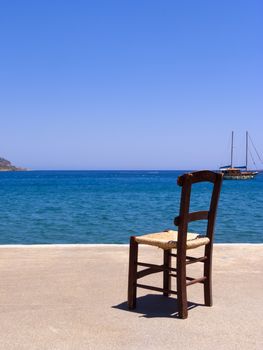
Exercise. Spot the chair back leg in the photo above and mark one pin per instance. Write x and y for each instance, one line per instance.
(133, 258)
(181, 288)
(208, 274)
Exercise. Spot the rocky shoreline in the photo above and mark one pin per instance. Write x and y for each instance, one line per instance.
(6, 165)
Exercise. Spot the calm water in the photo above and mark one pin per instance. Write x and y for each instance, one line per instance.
(109, 206)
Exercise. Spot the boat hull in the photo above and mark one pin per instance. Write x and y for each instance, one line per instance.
(241, 176)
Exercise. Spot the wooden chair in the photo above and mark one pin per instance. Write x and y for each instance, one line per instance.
(181, 241)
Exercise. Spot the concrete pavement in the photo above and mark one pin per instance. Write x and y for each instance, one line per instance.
(66, 297)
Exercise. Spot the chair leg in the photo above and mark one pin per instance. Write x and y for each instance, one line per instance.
(208, 283)
(167, 259)
(181, 288)
(132, 273)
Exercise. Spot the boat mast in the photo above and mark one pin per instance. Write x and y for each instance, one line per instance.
(246, 149)
(232, 146)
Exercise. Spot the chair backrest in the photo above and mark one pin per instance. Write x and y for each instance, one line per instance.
(186, 181)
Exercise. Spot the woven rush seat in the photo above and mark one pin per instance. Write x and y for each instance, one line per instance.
(168, 240)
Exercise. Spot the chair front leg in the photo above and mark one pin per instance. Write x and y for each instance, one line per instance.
(167, 259)
(208, 274)
(133, 258)
(181, 287)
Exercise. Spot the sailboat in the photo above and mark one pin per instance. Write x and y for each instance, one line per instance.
(231, 172)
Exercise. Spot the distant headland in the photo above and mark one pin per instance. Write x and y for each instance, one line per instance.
(6, 165)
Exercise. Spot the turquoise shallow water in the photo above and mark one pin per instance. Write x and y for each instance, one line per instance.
(109, 206)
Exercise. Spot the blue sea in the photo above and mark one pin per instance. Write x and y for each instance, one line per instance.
(40, 207)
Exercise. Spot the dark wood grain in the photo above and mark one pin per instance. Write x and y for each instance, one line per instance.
(133, 257)
(167, 260)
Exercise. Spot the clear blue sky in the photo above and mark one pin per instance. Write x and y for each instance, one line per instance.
(129, 84)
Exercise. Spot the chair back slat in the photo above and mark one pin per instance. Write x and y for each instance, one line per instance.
(198, 215)
(194, 216)
(199, 176)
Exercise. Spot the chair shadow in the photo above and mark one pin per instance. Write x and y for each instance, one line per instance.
(152, 305)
